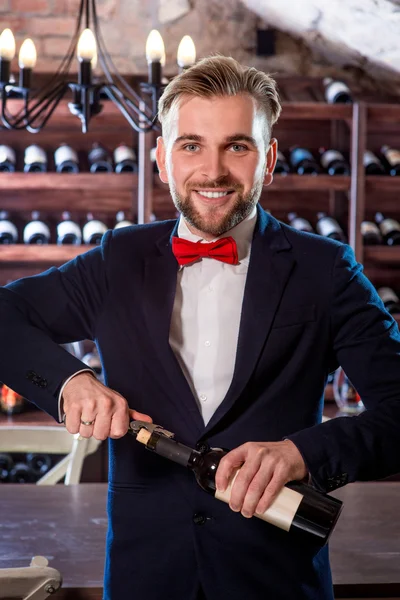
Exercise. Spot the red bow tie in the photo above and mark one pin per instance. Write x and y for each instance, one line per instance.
(186, 252)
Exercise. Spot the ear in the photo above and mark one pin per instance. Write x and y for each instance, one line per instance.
(271, 161)
(160, 159)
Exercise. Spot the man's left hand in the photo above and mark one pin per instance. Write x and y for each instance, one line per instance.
(265, 468)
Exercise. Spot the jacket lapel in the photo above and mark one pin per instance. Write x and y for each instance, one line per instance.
(158, 299)
(269, 270)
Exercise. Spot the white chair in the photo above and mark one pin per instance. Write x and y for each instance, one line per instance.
(49, 439)
(36, 582)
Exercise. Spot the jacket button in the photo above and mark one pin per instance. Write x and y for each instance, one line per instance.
(199, 519)
(202, 447)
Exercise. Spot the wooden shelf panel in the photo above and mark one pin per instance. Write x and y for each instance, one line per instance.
(383, 113)
(67, 181)
(382, 184)
(48, 253)
(315, 111)
(389, 255)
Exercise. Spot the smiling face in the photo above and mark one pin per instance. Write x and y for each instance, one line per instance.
(216, 159)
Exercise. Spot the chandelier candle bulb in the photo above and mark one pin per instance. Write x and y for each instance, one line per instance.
(7, 53)
(155, 51)
(86, 52)
(186, 56)
(26, 60)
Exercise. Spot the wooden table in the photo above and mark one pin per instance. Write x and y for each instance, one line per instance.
(67, 524)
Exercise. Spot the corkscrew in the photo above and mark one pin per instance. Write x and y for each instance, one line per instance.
(136, 426)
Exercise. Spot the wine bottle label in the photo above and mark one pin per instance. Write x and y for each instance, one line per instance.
(64, 154)
(300, 154)
(68, 228)
(388, 225)
(35, 154)
(123, 224)
(369, 227)
(8, 227)
(327, 225)
(153, 154)
(34, 228)
(301, 224)
(329, 156)
(392, 156)
(335, 88)
(370, 157)
(281, 512)
(98, 154)
(387, 295)
(92, 228)
(124, 153)
(7, 154)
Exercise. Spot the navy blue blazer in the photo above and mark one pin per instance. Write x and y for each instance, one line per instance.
(307, 308)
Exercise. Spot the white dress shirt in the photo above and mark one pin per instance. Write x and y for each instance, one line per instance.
(206, 317)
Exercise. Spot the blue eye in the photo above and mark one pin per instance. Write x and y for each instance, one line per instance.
(240, 146)
(190, 147)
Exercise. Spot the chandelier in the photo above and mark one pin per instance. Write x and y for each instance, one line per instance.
(87, 44)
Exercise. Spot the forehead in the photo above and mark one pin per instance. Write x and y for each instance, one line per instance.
(217, 116)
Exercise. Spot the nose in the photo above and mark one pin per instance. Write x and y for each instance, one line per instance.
(214, 167)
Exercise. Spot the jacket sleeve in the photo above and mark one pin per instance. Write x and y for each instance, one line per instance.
(365, 341)
(38, 313)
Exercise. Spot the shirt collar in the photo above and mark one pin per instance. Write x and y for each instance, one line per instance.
(242, 234)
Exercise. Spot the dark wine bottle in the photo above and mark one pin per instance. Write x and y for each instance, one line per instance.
(21, 473)
(66, 159)
(100, 160)
(8, 231)
(372, 164)
(7, 159)
(390, 299)
(38, 463)
(281, 167)
(93, 230)
(303, 162)
(6, 464)
(121, 221)
(153, 159)
(298, 506)
(36, 231)
(125, 159)
(337, 92)
(329, 227)
(35, 159)
(390, 229)
(299, 223)
(392, 158)
(334, 162)
(370, 233)
(68, 232)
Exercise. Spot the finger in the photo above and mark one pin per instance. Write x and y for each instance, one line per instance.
(227, 465)
(86, 431)
(138, 416)
(102, 426)
(256, 491)
(119, 423)
(242, 483)
(72, 420)
(271, 492)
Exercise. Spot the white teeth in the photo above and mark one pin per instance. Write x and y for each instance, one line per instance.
(212, 194)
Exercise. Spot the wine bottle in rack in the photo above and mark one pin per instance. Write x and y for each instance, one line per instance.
(36, 231)
(329, 227)
(11, 403)
(93, 230)
(337, 92)
(66, 159)
(7, 159)
(299, 223)
(389, 228)
(35, 159)
(125, 159)
(21, 473)
(297, 506)
(390, 299)
(121, 220)
(153, 159)
(392, 158)
(38, 463)
(370, 233)
(372, 164)
(100, 160)
(281, 167)
(8, 231)
(303, 162)
(68, 232)
(6, 464)
(333, 162)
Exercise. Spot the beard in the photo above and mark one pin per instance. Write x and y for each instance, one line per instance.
(213, 223)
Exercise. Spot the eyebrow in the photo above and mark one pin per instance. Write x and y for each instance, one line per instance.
(236, 137)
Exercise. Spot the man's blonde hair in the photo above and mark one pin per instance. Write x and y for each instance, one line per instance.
(221, 76)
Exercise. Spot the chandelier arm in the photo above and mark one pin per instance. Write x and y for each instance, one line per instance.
(32, 129)
(32, 113)
(111, 94)
(126, 102)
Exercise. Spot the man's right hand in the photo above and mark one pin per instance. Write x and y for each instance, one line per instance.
(87, 399)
